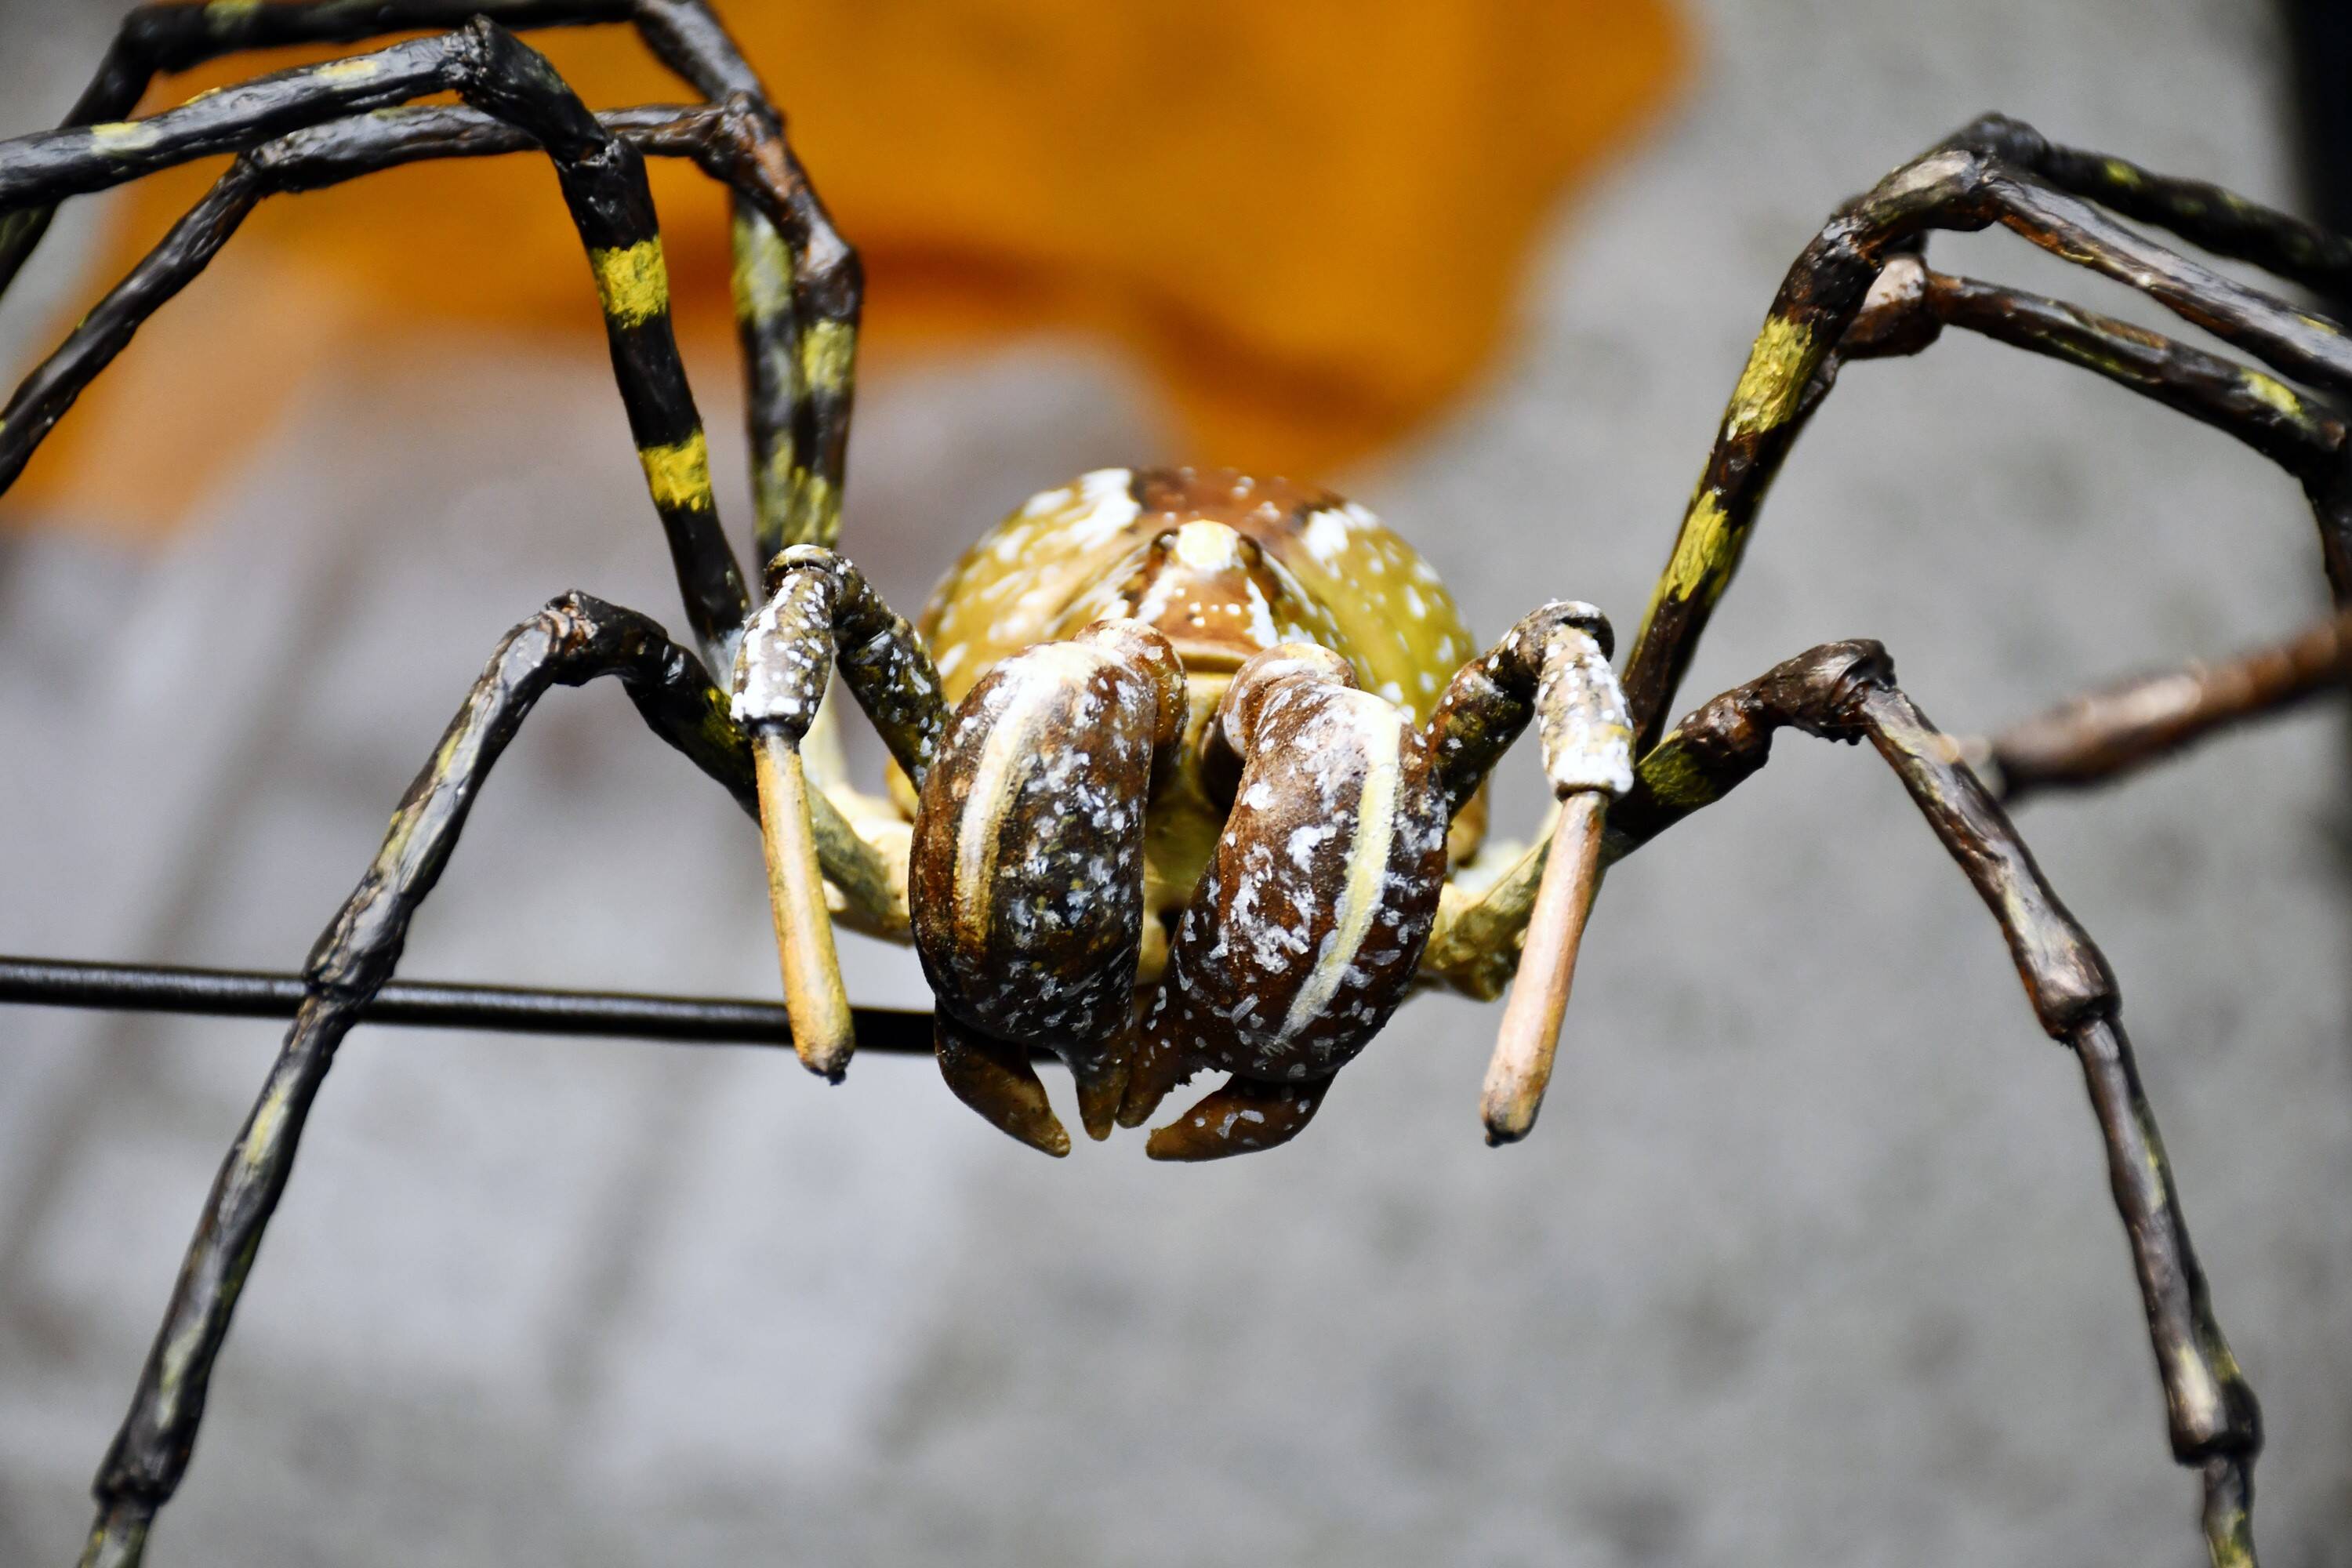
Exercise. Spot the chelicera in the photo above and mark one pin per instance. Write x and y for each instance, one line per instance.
(1188, 763)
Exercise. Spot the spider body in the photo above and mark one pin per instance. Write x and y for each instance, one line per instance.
(1297, 887)
(1211, 742)
(1226, 566)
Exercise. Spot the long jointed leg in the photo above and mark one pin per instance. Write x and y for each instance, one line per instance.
(153, 39)
(2208, 217)
(2124, 727)
(307, 160)
(1553, 669)
(821, 613)
(602, 180)
(42, 399)
(1309, 922)
(798, 285)
(47, 166)
(731, 141)
(1845, 691)
(1025, 880)
(1911, 303)
(576, 639)
(1964, 185)
(604, 183)
(798, 290)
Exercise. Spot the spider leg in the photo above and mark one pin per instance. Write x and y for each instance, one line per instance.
(1911, 304)
(2207, 216)
(2126, 726)
(573, 640)
(797, 284)
(823, 613)
(154, 39)
(1960, 185)
(1846, 691)
(717, 137)
(604, 185)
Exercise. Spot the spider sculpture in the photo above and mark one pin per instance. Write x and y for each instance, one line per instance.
(1187, 764)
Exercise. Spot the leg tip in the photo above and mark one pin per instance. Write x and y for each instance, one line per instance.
(829, 1061)
(1508, 1119)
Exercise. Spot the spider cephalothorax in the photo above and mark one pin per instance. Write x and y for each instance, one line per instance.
(1189, 764)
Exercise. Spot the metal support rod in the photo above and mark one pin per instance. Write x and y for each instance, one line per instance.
(418, 1003)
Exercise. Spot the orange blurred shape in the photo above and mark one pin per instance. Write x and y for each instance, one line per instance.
(1308, 219)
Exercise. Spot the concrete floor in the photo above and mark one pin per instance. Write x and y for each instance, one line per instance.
(1811, 1259)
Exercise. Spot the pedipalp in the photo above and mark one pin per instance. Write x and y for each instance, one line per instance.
(1026, 878)
(1308, 924)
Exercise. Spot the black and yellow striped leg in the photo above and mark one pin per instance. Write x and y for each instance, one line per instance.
(304, 159)
(1794, 361)
(797, 300)
(761, 285)
(573, 640)
(1912, 304)
(822, 615)
(826, 307)
(604, 184)
(1846, 691)
(154, 39)
(799, 289)
(797, 358)
(313, 159)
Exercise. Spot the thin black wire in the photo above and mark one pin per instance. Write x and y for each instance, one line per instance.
(419, 1004)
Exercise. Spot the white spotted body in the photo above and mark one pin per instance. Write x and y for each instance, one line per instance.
(1304, 933)
(1224, 565)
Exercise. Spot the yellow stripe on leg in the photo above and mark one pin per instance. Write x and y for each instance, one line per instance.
(633, 281)
(828, 350)
(1774, 379)
(678, 475)
(1704, 553)
(762, 279)
(812, 508)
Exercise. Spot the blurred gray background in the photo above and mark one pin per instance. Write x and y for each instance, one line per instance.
(1811, 1260)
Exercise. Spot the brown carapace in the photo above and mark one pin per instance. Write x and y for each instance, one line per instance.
(1182, 759)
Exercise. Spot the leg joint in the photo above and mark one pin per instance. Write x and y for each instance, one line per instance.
(1822, 691)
